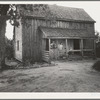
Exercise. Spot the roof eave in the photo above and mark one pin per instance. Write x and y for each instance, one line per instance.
(50, 37)
(59, 19)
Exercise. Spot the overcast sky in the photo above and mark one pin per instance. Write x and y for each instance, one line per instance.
(91, 7)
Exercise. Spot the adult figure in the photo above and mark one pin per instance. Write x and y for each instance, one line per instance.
(60, 48)
(52, 49)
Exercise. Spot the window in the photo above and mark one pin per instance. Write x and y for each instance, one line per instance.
(18, 45)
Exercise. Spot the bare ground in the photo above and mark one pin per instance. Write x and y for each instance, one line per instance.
(69, 76)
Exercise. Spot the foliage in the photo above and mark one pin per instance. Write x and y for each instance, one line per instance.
(24, 10)
(36, 10)
(3, 9)
(14, 15)
(97, 33)
(96, 66)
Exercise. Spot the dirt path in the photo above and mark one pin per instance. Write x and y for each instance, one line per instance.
(67, 76)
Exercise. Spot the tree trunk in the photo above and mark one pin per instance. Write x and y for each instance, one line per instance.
(2, 41)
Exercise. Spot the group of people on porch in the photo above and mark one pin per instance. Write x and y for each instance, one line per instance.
(56, 49)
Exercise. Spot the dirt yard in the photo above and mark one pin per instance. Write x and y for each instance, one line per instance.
(69, 76)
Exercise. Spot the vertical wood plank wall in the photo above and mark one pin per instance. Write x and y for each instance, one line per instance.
(32, 40)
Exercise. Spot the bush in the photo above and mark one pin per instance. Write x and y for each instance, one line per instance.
(96, 66)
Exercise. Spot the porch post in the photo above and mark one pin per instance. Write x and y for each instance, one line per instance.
(49, 44)
(49, 52)
(81, 47)
(57, 50)
(66, 47)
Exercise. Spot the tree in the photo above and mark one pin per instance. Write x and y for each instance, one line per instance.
(97, 35)
(3, 18)
(6, 12)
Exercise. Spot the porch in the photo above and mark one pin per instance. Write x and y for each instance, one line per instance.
(71, 47)
(67, 43)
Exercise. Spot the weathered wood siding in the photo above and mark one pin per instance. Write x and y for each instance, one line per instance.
(18, 37)
(88, 44)
(32, 48)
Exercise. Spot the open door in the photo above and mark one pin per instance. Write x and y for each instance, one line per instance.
(76, 43)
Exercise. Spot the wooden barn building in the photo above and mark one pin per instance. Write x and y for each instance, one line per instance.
(49, 32)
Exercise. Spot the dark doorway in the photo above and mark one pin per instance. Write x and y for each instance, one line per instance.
(47, 44)
(76, 44)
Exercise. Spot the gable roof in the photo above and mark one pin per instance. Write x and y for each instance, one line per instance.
(70, 13)
(61, 13)
(65, 33)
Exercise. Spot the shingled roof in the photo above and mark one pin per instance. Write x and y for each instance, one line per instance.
(69, 13)
(65, 33)
(61, 13)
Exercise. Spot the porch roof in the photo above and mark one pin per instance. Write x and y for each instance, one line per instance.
(65, 33)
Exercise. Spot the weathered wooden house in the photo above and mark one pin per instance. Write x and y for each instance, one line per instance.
(41, 25)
